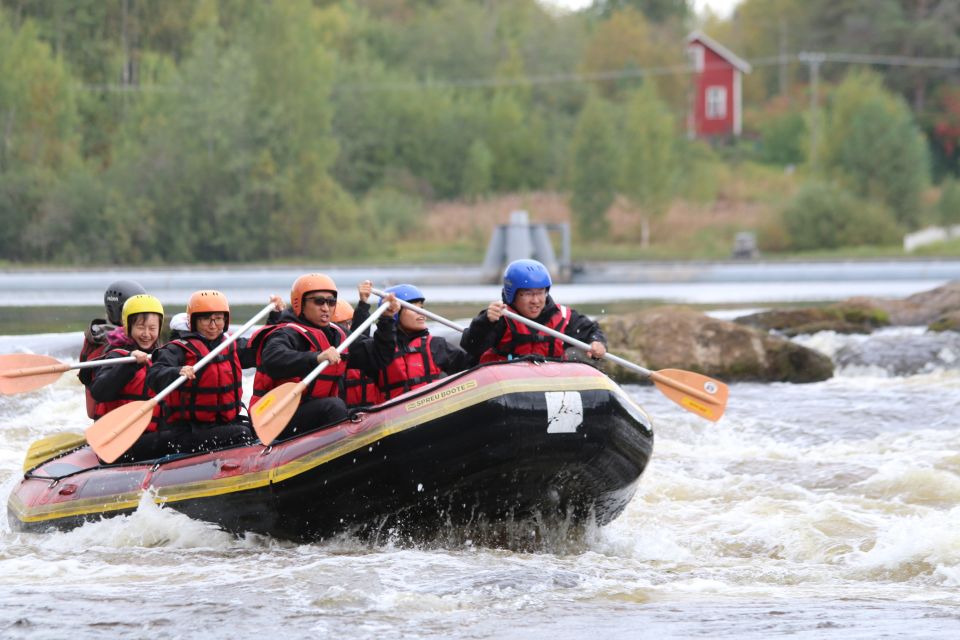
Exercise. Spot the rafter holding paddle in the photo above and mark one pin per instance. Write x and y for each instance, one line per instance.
(22, 372)
(695, 392)
(114, 433)
(272, 413)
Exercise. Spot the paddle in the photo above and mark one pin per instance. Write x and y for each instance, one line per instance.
(22, 372)
(114, 433)
(694, 392)
(683, 387)
(272, 413)
(421, 310)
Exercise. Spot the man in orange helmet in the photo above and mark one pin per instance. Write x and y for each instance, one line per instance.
(204, 413)
(305, 337)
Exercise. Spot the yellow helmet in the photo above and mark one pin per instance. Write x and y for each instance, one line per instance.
(140, 303)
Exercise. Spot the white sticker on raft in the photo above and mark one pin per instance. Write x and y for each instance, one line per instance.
(564, 411)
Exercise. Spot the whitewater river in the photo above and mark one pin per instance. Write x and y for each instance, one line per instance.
(829, 510)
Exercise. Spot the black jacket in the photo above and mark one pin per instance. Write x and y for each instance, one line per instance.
(108, 382)
(287, 353)
(169, 359)
(447, 357)
(483, 334)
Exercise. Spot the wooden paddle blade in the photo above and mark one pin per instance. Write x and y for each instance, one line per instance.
(272, 413)
(22, 372)
(50, 447)
(694, 392)
(114, 433)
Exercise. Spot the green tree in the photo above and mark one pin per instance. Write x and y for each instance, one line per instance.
(874, 148)
(948, 207)
(516, 139)
(38, 136)
(477, 175)
(594, 168)
(650, 163)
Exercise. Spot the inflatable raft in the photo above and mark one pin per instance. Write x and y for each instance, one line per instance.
(505, 442)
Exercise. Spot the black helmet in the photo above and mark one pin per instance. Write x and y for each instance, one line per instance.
(115, 295)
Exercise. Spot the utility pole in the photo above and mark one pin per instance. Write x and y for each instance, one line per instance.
(814, 60)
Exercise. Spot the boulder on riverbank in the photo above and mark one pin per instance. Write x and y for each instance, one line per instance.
(938, 308)
(681, 338)
(851, 316)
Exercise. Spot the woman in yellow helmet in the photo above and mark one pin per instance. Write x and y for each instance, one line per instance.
(114, 386)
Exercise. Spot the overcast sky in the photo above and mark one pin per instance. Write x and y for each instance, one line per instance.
(722, 8)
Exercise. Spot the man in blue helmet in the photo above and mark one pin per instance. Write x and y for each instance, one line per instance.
(492, 337)
(420, 358)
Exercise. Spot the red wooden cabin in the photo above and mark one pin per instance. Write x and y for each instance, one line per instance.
(717, 97)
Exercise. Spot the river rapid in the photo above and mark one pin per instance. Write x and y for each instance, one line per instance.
(827, 510)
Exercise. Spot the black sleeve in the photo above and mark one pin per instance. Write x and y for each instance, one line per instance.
(287, 354)
(449, 358)
(584, 329)
(370, 355)
(110, 380)
(360, 313)
(482, 335)
(167, 362)
(247, 356)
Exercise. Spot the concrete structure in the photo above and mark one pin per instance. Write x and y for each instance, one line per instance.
(520, 239)
(716, 108)
(929, 235)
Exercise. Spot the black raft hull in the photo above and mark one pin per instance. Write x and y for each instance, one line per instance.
(507, 443)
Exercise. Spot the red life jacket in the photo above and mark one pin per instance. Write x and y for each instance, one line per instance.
(360, 390)
(215, 394)
(412, 366)
(520, 340)
(90, 351)
(135, 389)
(327, 384)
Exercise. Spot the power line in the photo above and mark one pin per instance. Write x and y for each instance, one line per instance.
(585, 77)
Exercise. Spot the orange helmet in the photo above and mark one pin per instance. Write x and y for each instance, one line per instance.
(307, 283)
(343, 312)
(207, 301)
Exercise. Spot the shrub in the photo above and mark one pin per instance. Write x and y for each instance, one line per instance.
(824, 216)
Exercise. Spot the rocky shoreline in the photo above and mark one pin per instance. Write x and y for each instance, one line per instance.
(757, 347)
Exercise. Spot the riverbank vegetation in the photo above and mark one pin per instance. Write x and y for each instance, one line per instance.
(181, 131)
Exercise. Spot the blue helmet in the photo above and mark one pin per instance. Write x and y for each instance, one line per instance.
(524, 274)
(405, 292)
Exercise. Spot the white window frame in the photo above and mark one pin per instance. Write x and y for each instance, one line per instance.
(696, 57)
(715, 103)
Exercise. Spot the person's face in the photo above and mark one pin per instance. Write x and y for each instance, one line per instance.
(211, 325)
(530, 302)
(318, 307)
(145, 329)
(411, 321)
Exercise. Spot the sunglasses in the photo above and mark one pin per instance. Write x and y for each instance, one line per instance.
(330, 302)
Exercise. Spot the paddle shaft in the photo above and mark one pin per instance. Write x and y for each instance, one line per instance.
(422, 311)
(59, 368)
(654, 375)
(170, 388)
(310, 377)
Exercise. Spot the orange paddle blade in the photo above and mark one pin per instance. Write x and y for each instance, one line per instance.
(114, 433)
(22, 372)
(272, 413)
(694, 392)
